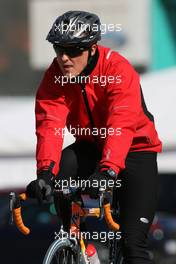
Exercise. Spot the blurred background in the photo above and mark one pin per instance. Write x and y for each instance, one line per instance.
(147, 38)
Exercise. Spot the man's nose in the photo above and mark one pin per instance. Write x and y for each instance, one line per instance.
(64, 57)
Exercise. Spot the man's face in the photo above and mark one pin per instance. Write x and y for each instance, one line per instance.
(72, 66)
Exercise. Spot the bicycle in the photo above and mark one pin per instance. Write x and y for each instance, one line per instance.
(70, 247)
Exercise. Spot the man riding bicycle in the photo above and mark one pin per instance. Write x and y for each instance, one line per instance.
(73, 94)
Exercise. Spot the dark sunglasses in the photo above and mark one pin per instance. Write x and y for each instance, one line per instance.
(70, 51)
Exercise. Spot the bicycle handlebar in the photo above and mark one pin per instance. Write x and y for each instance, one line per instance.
(16, 212)
(108, 217)
(17, 216)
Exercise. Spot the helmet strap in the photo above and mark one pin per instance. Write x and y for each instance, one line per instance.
(91, 62)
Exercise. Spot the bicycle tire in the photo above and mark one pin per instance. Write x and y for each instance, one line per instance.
(55, 250)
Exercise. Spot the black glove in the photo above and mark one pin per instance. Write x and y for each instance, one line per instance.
(42, 188)
(101, 181)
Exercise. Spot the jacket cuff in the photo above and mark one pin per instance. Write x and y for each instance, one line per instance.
(110, 165)
(43, 164)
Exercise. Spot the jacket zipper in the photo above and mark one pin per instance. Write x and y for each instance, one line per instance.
(83, 90)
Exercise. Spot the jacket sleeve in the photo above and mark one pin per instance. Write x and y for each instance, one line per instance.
(51, 113)
(123, 107)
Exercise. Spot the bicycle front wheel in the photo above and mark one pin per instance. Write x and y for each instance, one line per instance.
(61, 252)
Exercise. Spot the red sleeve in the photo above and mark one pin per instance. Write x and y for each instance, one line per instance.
(51, 113)
(123, 106)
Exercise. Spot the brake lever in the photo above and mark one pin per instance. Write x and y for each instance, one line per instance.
(14, 202)
(11, 206)
(101, 201)
(105, 198)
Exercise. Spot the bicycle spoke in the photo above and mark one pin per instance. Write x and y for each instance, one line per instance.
(65, 257)
(72, 262)
(56, 258)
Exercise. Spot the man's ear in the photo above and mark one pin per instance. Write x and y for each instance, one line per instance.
(93, 49)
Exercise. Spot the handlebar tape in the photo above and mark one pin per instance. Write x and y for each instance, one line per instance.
(18, 217)
(108, 217)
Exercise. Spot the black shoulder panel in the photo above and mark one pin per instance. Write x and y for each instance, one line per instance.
(146, 112)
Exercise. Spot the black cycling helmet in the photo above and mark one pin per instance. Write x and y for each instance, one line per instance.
(75, 28)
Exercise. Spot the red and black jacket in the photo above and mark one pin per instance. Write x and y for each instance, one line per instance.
(116, 105)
